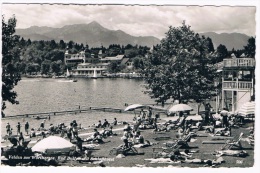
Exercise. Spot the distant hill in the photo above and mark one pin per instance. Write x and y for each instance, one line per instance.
(96, 35)
(230, 40)
(93, 33)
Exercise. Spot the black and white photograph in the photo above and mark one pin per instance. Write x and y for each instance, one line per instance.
(128, 85)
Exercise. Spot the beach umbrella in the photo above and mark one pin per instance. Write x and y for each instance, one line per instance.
(134, 106)
(194, 117)
(224, 112)
(53, 145)
(180, 107)
(247, 109)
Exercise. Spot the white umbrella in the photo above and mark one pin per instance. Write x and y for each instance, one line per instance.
(180, 107)
(134, 106)
(247, 109)
(224, 112)
(194, 117)
(53, 145)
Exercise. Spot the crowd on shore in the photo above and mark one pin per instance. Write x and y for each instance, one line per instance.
(132, 132)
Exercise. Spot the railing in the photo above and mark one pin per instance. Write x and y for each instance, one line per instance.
(238, 85)
(239, 62)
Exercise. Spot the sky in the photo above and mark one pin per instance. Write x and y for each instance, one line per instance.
(137, 20)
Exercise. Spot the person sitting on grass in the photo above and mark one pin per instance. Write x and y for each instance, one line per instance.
(32, 133)
(99, 125)
(210, 129)
(127, 127)
(124, 138)
(223, 132)
(13, 141)
(138, 138)
(51, 129)
(105, 124)
(115, 122)
(95, 137)
(218, 123)
(106, 132)
(79, 143)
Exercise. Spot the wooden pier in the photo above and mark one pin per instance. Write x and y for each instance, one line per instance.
(76, 111)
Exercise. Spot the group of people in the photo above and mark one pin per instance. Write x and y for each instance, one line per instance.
(106, 123)
(145, 120)
(130, 136)
(9, 129)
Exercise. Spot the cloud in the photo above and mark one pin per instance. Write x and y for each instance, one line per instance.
(137, 20)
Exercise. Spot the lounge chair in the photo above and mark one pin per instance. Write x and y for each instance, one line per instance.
(234, 143)
(171, 146)
(180, 143)
(124, 150)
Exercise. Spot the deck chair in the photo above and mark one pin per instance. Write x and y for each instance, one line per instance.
(179, 123)
(123, 150)
(234, 143)
(183, 142)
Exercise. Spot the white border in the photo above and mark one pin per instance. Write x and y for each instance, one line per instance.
(256, 3)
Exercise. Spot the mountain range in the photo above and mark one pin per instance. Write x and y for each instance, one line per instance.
(96, 35)
(230, 40)
(93, 34)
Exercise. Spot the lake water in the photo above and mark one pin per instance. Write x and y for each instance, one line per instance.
(46, 95)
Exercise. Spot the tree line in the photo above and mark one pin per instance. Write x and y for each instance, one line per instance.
(47, 57)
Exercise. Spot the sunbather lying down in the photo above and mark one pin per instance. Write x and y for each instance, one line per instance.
(145, 144)
(175, 155)
(208, 162)
(195, 161)
(235, 153)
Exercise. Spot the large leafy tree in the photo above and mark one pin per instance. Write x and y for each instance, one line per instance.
(250, 48)
(181, 68)
(10, 72)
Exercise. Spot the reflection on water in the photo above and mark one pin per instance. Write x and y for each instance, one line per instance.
(46, 95)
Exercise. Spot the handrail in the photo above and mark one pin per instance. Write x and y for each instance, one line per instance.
(239, 62)
(239, 84)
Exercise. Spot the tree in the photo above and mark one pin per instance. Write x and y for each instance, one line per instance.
(114, 67)
(45, 67)
(221, 53)
(180, 68)
(62, 44)
(55, 68)
(10, 73)
(211, 46)
(250, 48)
(32, 68)
(138, 62)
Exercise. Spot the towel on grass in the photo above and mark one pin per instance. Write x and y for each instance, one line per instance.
(162, 160)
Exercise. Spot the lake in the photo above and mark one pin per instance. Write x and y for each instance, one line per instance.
(46, 95)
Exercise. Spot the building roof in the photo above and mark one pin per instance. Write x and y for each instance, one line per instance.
(113, 58)
(92, 64)
(124, 60)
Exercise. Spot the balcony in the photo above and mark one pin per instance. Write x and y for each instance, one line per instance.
(239, 62)
(237, 85)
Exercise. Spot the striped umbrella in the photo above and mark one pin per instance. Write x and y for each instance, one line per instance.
(247, 109)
